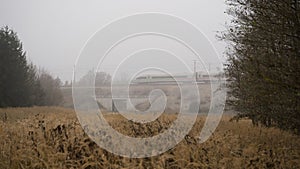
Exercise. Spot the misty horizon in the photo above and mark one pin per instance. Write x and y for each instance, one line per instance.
(53, 33)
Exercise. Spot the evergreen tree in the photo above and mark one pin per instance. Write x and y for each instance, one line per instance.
(20, 84)
(14, 86)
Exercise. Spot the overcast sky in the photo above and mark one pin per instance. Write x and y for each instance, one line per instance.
(53, 32)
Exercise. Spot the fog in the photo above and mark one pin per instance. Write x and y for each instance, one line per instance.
(54, 32)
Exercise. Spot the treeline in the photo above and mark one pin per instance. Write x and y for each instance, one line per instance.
(21, 83)
(95, 78)
(264, 61)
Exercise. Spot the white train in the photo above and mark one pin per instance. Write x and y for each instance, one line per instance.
(167, 79)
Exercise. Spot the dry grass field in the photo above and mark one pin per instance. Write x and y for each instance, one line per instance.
(50, 137)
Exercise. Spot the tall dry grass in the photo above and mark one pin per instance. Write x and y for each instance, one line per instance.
(50, 137)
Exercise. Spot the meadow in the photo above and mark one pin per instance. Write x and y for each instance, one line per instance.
(51, 137)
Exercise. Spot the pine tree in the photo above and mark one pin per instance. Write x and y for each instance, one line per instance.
(14, 86)
(20, 84)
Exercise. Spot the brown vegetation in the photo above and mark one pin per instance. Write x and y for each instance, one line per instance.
(48, 137)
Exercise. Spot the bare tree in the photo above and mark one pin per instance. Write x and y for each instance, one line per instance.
(264, 61)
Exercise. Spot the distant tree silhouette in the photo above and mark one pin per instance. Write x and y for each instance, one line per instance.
(51, 89)
(37, 95)
(97, 79)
